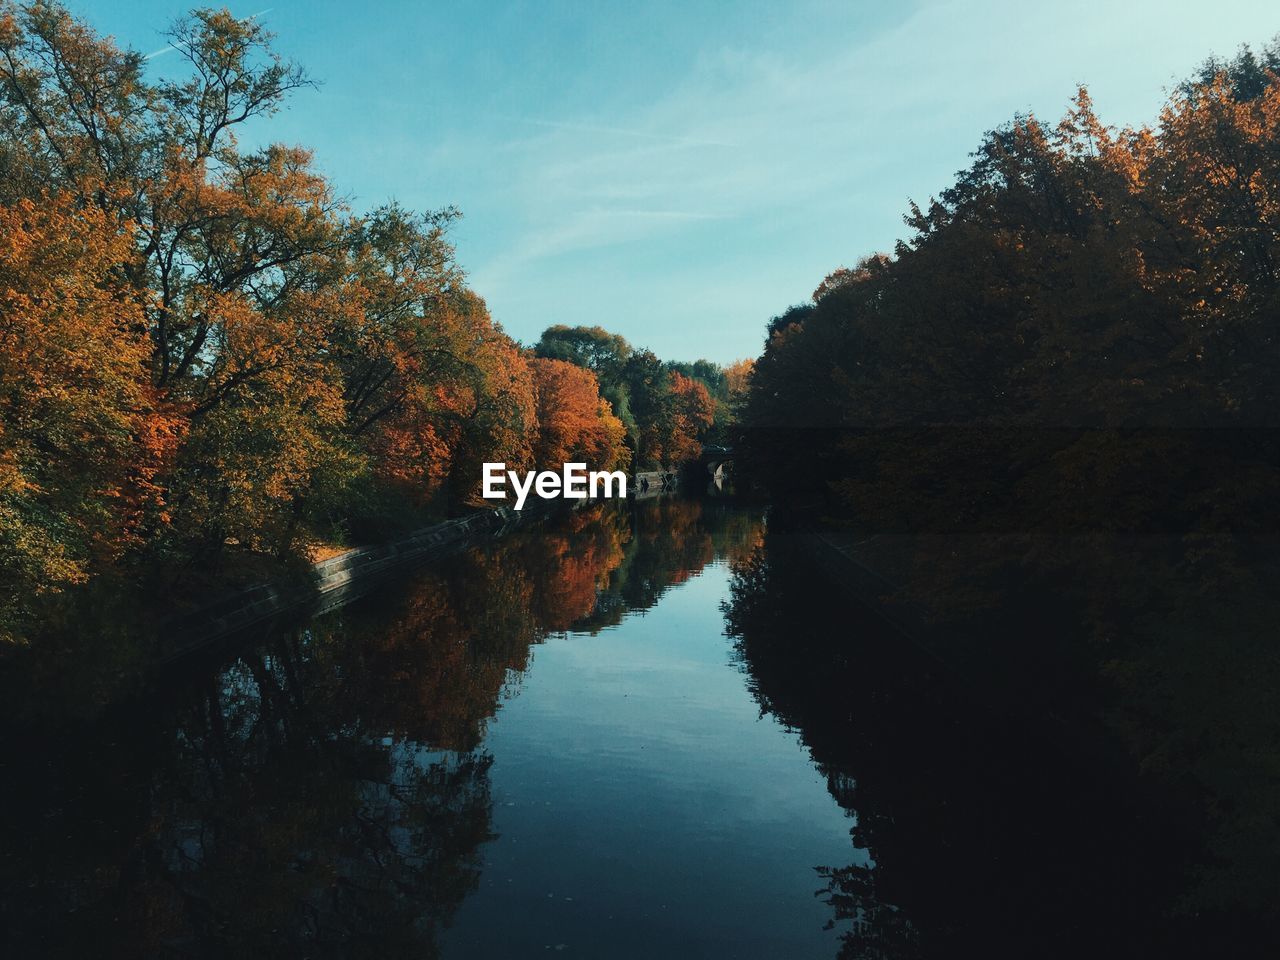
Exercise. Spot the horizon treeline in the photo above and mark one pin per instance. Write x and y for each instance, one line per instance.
(668, 409)
(1077, 341)
(202, 347)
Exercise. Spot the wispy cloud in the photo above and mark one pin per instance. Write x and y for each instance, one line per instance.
(695, 209)
(592, 228)
(623, 132)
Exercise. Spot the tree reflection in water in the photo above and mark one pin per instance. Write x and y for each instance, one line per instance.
(326, 789)
(976, 834)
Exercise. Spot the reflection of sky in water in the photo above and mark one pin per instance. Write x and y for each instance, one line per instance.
(643, 806)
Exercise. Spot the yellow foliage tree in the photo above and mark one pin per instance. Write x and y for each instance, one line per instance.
(81, 438)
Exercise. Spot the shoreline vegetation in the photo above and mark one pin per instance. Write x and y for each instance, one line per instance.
(212, 369)
(337, 580)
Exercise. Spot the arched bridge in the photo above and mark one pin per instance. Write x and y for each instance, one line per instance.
(717, 460)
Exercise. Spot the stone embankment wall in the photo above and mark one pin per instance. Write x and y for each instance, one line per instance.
(335, 581)
(342, 578)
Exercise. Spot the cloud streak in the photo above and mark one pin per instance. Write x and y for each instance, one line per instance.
(623, 132)
(816, 153)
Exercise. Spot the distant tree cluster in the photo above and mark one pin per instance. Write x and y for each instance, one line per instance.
(668, 410)
(202, 347)
(1079, 340)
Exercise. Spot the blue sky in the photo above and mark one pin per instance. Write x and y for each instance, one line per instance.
(678, 172)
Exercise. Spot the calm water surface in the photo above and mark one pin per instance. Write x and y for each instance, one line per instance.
(545, 744)
(644, 807)
(647, 731)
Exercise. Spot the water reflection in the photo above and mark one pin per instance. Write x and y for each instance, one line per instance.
(399, 778)
(328, 786)
(978, 832)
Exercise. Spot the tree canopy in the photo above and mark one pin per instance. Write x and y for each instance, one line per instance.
(1077, 340)
(668, 409)
(204, 348)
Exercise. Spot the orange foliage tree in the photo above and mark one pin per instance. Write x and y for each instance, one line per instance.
(692, 411)
(682, 410)
(575, 424)
(81, 440)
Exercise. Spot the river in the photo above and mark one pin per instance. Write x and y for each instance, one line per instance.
(635, 731)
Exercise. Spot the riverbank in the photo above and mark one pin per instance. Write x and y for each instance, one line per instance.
(333, 582)
(338, 579)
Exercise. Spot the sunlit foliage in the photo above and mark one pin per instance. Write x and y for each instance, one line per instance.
(205, 349)
(575, 424)
(81, 438)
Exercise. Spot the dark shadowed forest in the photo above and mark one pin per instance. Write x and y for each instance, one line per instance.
(1050, 417)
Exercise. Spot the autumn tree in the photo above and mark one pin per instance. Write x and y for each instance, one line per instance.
(605, 354)
(231, 256)
(690, 411)
(737, 376)
(669, 419)
(1059, 398)
(303, 370)
(662, 427)
(575, 424)
(81, 439)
